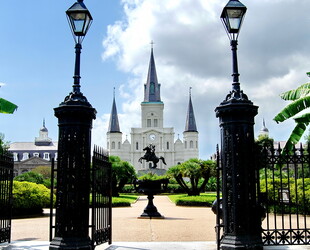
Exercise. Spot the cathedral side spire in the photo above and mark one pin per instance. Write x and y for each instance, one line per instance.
(190, 125)
(114, 124)
(152, 87)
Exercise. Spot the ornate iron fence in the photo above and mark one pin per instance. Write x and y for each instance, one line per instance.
(101, 198)
(6, 183)
(284, 184)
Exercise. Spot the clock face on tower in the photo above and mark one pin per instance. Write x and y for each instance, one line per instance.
(152, 137)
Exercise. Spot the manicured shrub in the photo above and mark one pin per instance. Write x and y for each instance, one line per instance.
(29, 198)
(30, 177)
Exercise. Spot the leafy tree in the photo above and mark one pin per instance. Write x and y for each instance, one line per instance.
(122, 173)
(4, 146)
(194, 169)
(264, 141)
(300, 101)
(45, 171)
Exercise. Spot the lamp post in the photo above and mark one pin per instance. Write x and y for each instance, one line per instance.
(75, 115)
(241, 219)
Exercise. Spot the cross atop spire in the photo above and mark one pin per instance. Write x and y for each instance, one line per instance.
(152, 44)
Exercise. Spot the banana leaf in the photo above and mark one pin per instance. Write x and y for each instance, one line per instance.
(292, 109)
(295, 94)
(295, 136)
(7, 107)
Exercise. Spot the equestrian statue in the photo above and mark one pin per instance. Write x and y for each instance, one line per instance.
(150, 156)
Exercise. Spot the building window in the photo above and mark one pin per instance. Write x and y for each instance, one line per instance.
(56, 157)
(149, 123)
(196, 144)
(155, 123)
(119, 145)
(137, 146)
(167, 145)
(46, 156)
(36, 155)
(25, 156)
(191, 144)
(113, 144)
(185, 144)
(15, 155)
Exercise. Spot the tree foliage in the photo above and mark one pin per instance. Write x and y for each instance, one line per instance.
(122, 173)
(300, 102)
(193, 169)
(4, 146)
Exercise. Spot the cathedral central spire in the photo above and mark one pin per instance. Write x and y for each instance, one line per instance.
(114, 124)
(152, 87)
(190, 125)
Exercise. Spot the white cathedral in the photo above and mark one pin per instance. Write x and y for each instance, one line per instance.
(152, 131)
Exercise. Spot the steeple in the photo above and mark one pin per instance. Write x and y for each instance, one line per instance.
(152, 87)
(114, 124)
(264, 130)
(190, 125)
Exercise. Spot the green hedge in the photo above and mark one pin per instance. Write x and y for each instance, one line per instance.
(203, 200)
(29, 198)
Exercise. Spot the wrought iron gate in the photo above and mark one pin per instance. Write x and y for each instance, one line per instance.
(285, 193)
(217, 205)
(6, 183)
(101, 198)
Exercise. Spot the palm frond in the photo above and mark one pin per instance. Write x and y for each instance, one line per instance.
(295, 136)
(295, 94)
(305, 118)
(7, 107)
(292, 109)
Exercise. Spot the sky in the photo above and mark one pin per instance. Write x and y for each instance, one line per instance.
(191, 49)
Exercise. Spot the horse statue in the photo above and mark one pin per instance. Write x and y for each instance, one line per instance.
(150, 156)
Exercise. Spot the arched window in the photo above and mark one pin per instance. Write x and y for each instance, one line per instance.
(167, 145)
(185, 144)
(196, 144)
(113, 144)
(137, 146)
(191, 144)
(119, 145)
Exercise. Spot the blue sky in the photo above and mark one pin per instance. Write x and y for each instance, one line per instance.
(191, 50)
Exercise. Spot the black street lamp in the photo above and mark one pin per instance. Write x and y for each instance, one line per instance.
(241, 217)
(75, 115)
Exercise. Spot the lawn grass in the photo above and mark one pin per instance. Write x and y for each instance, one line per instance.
(203, 200)
(124, 200)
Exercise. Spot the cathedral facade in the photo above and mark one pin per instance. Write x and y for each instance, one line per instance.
(152, 131)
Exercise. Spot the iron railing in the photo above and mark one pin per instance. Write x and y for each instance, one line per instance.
(284, 184)
(6, 184)
(101, 198)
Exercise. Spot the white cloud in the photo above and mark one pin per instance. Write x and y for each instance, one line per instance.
(191, 49)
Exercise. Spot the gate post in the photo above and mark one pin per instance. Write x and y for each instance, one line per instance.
(75, 115)
(241, 219)
(73, 175)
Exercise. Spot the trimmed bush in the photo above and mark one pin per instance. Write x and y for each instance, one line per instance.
(29, 198)
(203, 200)
(30, 177)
